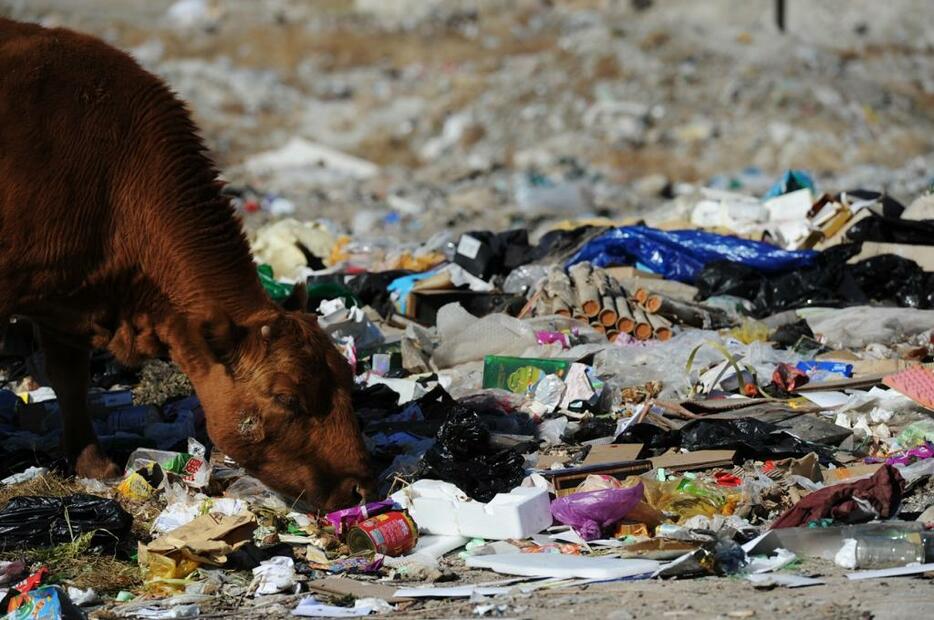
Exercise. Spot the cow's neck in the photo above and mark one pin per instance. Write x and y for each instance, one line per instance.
(193, 247)
(203, 266)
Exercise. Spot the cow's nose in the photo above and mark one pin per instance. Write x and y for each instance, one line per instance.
(351, 492)
(359, 494)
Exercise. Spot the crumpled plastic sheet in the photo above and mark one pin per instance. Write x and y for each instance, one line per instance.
(681, 254)
(592, 511)
(847, 328)
(641, 363)
(465, 338)
(274, 575)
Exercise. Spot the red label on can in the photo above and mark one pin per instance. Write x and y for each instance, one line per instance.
(392, 533)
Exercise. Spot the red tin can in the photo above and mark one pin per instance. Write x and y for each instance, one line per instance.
(391, 533)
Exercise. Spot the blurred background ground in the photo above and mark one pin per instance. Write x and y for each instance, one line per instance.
(461, 103)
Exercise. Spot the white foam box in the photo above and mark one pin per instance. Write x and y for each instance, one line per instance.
(518, 514)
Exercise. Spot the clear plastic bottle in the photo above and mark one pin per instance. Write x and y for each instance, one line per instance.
(889, 551)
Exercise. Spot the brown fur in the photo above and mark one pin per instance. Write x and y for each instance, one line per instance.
(114, 233)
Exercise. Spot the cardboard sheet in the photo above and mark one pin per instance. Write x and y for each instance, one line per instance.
(613, 453)
(342, 586)
(701, 459)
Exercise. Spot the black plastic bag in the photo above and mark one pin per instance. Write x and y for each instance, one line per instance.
(486, 254)
(751, 438)
(35, 521)
(462, 455)
(827, 282)
(788, 335)
(372, 289)
(654, 439)
(892, 230)
(890, 277)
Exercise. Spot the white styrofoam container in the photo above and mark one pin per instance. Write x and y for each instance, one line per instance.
(441, 508)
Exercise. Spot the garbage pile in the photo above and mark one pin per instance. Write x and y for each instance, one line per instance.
(602, 403)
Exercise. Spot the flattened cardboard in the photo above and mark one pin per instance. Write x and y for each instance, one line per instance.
(847, 474)
(687, 461)
(612, 453)
(342, 586)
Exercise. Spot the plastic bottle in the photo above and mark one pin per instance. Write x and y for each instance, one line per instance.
(886, 551)
(825, 542)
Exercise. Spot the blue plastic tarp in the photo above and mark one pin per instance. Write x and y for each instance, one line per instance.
(681, 254)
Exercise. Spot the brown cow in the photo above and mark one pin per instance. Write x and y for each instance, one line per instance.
(114, 233)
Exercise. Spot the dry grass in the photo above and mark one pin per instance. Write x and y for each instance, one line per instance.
(49, 485)
(75, 563)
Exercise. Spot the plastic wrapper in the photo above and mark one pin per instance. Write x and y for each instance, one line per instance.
(34, 521)
(590, 512)
(549, 391)
(684, 498)
(344, 519)
(462, 455)
(522, 279)
(551, 431)
(916, 434)
(750, 331)
(45, 603)
(192, 466)
(682, 254)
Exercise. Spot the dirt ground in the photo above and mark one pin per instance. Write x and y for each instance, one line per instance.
(710, 598)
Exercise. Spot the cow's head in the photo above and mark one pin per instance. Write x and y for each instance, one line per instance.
(279, 403)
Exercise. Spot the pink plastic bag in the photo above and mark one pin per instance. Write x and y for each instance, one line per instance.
(592, 511)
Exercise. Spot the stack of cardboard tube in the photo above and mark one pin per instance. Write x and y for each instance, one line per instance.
(590, 294)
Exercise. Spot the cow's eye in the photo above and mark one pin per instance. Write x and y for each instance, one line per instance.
(287, 401)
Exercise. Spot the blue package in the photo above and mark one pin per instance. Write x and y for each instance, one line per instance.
(837, 368)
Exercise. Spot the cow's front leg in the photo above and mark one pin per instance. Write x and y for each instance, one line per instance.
(67, 366)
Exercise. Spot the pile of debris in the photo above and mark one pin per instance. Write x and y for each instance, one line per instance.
(618, 403)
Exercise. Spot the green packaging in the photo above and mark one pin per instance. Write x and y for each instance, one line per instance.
(520, 374)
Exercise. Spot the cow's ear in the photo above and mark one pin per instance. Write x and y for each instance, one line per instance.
(298, 299)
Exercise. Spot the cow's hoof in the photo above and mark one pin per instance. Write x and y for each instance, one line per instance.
(92, 463)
